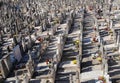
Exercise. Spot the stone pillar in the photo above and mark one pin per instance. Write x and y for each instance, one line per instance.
(30, 42)
(17, 79)
(58, 52)
(118, 39)
(114, 35)
(8, 62)
(15, 40)
(52, 73)
(29, 54)
(44, 26)
(38, 52)
(78, 60)
(40, 29)
(106, 64)
(26, 79)
(59, 40)
(77, 77)
(111, 24)
(23, 44)
(55, 58)
(70, 78)
(28, 69)
(3, 69)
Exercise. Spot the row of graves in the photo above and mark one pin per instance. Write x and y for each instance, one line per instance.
(46, 68)
(107, 43)
(115, 56)
(49, 66)
(108, 33)
(68, 70)
(106, 28)
(32, 39)
(91, 64)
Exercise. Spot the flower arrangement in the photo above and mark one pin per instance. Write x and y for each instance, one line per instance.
(74, 61)
(102, 78)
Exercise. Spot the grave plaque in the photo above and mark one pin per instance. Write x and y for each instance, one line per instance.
(17, 53)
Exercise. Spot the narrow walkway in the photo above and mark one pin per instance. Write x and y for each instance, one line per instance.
(90, 69)
(67, 69)
(66, 66)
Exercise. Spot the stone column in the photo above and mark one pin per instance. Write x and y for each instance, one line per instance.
(3, 68)
(70, 78)
(111, 24)
(52, 72)
(29, 68)
(118, 39)
(17, 79)
(30, 41)
(8, 62)
(23, 44)
(29, 54)
(15, 40)
(78, 60)
(38, 52)
(77, 77)
(26, 79)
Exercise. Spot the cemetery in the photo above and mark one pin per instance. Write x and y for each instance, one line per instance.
(59, 41)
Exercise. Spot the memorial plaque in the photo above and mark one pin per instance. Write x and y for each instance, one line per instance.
(17, 53)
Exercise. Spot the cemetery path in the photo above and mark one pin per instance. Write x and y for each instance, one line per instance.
(68, 67)
(90, 69)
